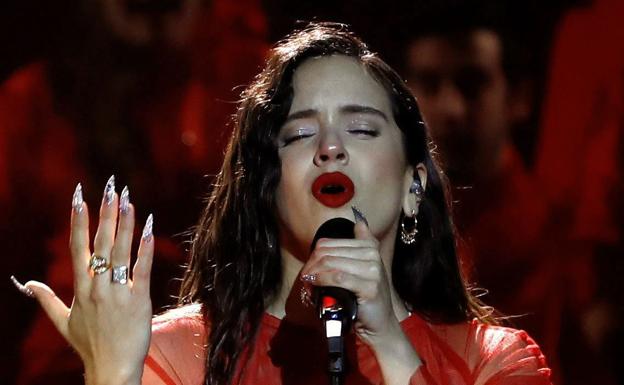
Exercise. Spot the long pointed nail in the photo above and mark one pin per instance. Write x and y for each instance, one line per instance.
(359, 217)
(124, 200)
(77, 199)
(147, 229)
(109, 190)
(23, 289)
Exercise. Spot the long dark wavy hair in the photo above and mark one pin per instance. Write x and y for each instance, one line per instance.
(235, 267)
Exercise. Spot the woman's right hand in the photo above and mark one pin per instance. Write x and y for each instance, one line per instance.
(109, 322)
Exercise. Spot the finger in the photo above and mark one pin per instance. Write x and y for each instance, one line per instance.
(51, 304)
(105, 235)
(143, 266)
(79, 241)
(359, 253)
(338, 242)
(363, 288)
(123, 242)
(369, 269)
(362, 231)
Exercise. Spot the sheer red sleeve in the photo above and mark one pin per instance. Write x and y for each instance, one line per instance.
(483, 355)
(176, 354)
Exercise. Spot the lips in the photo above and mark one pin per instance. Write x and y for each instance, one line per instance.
(333, 189)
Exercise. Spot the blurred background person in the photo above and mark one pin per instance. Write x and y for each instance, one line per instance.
(139, 89)
(459, 63)
(579, 164)
(471, 72)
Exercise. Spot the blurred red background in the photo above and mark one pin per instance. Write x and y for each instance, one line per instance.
(525, 101)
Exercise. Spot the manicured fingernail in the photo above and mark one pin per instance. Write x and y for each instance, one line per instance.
(147, 229)
(308, 277)
(124, 200)
(77, 199)
(109, 190)
(359, 217)
(26, 291)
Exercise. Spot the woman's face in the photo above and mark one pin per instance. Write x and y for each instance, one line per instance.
(339, 147)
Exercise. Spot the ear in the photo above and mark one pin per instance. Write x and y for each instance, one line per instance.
(410, 204)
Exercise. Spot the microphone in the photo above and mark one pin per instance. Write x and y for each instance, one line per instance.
(337, 307)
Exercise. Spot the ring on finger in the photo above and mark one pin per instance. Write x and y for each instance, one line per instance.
(98, 264)
(120, 274)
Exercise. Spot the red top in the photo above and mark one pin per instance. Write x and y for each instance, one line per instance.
(466, 353)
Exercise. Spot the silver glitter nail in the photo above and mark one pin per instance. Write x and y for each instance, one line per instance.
(359, 217)
(124, 200)
(77, 198)
(109, 190)
(147, 229)
(23, 289)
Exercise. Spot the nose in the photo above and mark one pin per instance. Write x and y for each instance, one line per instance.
(330, 149)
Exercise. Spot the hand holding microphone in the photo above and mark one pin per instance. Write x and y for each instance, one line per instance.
(355, 265)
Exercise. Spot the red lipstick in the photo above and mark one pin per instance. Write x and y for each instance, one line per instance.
(333, 189)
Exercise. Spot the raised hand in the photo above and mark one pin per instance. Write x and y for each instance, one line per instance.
(109, 321)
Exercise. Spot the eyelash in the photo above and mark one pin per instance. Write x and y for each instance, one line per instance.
(369, 132)
(359, 131)
(291, 139)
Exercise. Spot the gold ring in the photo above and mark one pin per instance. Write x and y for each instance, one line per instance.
(98, 264)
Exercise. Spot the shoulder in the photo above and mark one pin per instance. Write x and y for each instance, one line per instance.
(178, 319)
(179, 328)
(178, 345)
(492, 351)
(493, 339)
(505, 351)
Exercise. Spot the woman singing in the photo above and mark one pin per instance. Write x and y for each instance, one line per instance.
(326, 130)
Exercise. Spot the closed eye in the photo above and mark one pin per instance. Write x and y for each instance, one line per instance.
(364, 132)
(294, 138)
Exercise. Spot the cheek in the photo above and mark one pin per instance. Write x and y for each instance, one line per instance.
(383, 195)
(291, 186)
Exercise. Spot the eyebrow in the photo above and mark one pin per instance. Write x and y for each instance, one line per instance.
(348, 109)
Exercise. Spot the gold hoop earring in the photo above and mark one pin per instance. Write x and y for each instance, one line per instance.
(408, 237)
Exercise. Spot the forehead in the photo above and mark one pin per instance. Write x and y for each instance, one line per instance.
(325, 82)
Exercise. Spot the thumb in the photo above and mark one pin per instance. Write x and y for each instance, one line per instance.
(51, 304)
(361, 229)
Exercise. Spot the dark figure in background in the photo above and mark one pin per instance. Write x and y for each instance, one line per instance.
(139, 89)
(579, 164)
(474, 92)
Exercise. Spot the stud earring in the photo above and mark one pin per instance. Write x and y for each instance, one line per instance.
(416, 189)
